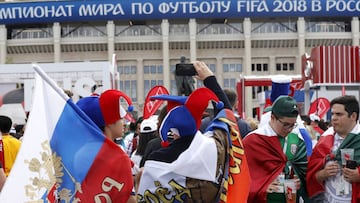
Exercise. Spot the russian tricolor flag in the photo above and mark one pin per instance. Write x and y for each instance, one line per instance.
(64, 157)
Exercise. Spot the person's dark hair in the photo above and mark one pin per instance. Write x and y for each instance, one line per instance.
(144, 138)
(306, 119)
(323, 125)
(5, 124)
(132, 126)
(163, 112)
(138, 121)
(350, 103)
(19, 129)
(69, 93)
(231, 95)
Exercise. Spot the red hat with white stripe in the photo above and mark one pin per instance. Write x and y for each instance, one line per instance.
(110, 105)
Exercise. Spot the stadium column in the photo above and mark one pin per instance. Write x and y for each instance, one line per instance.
(355, 31)
(140, 81)
(165, 49)
(272, 63)
(301, 42)
(110, 27)
(247, 66)
(3, 38)
(57, 42)
(192, 32)
(301, 49)
(219, 70)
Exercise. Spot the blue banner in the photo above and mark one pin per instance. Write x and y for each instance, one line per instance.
(71, 11)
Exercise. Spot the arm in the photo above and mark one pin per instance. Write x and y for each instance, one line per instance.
(132, 199)
(273, 186)
(207, 76)
(330, 169)
(2, 177)
(352, 175)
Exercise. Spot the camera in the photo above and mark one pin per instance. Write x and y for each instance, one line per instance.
(185, 69)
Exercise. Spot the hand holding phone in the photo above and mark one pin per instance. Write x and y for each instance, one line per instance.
(185, 69)
(351, 164)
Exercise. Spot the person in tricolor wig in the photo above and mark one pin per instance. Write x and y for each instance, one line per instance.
(331, 176)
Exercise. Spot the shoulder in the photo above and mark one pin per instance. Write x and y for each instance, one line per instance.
(242, 123)
(294, 138)
(155, 142)
(220, 135)
(163, 155)
(252, 137)
(329, 131)
(262, 133)
(10, 139)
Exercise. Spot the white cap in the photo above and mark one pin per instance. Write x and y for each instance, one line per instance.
(148, 125)
(314, 117)
(12, 130)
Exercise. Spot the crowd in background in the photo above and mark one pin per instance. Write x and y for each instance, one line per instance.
(276, 150)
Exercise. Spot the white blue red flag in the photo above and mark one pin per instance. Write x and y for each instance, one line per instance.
(64, 157)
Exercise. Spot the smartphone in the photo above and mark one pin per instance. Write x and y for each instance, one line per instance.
(352, 164)
(185, 69)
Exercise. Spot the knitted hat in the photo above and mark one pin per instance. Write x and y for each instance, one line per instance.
(280, 86)
(110, 105)
(185, 120)
(285, 106)
(91, 107)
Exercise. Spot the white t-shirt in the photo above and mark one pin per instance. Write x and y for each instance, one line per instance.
(135, 158)
(337, 182)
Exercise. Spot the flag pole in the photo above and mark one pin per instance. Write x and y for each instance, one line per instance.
(49, 81)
